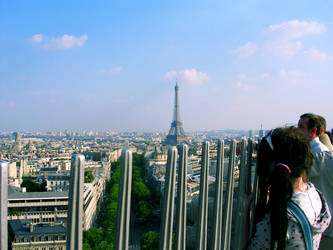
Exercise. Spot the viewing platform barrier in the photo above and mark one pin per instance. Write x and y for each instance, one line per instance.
(233, 212)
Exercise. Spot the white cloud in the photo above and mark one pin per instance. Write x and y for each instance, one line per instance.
(240, 85)
(295, 29)
(116, 69)
(191, 76)
(279, 48)
(246, 50)
(171, 75)
(38, 38)
(291, 77)
(62, 42)
(251, 80)
(284, 39)
(316, 54)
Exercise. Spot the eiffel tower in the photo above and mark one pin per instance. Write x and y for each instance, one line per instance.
(176, 133)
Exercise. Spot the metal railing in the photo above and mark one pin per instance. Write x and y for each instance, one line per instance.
(3, 204)
(233, 216)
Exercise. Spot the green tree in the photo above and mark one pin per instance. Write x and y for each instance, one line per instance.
(140, 191)
(143, 210)
(137, 159)
(88, 177)
(137, 173)
(33, 186)
(86, 246)
(110, 220)
(150, 241)
(115, 165)
(114, 192)
(104, 245)
(93, 237)
(115, 177)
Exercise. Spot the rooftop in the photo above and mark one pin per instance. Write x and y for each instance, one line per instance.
(15, 193)
(22, 227)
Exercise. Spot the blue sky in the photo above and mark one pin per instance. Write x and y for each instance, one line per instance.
(112, 65)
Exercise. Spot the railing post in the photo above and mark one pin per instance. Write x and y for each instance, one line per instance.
(75, 203)
(4, 204)
(124, 201)
(227, 217)
(181, 199)
(240, 220)
(203, 201)
(169, 201)
(249, 183)
(218, 202)
(255, 192)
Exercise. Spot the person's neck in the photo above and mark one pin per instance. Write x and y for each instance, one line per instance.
(299, 185)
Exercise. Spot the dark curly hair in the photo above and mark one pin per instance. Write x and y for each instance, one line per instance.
(291, 147)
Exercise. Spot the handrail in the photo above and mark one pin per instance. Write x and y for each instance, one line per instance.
(124, 201)
(75, 203)
(4, 204)
(169, 201)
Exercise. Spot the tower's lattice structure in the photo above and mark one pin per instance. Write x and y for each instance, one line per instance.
(176, 133)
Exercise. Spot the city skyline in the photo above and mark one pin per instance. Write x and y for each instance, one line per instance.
(109, 65)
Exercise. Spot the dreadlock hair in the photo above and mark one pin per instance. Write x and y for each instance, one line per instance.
(291, 147)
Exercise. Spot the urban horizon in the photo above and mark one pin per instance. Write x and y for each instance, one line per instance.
(113, 65)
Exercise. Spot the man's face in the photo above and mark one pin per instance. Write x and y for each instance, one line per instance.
(303, 125)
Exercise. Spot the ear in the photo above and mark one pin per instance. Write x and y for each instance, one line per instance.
(322, 131)
(313, 133)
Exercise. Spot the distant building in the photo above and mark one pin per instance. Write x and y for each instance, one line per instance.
(251, 134)
(93, 194)
(17, 145)
(114, 155)
(49, 207)
(261, 132)
(40, 207)
(57, 182)
(12, 170)
(24, 234)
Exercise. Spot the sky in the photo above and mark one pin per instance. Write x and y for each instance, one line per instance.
(112, 65)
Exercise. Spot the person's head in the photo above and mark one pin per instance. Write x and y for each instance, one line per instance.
(287, 145)
(322, 125)
(309, 123)
(284, 154)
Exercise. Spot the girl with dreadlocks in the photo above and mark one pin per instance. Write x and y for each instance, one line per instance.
(291, 213)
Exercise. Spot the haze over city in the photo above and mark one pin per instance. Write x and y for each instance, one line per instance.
(109, 65)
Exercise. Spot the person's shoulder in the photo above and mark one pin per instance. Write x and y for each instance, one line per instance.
(326, 141)
(322, 164)
(312, 190)
(317, 146)
(323, 155)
